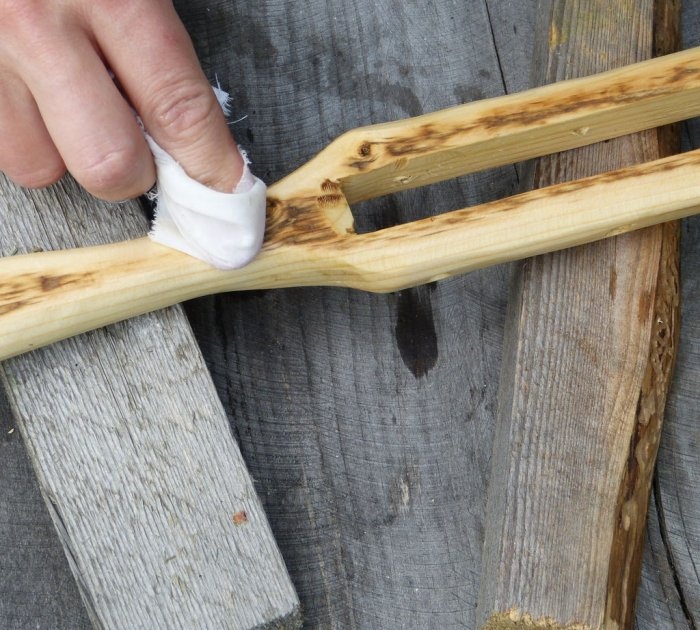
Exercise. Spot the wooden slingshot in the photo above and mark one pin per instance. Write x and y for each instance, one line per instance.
(310, 240)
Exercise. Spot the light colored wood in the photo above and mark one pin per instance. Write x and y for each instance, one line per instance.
(49, 296)
(145, 485)
(587, 366)
(309, 219)
(389, 157)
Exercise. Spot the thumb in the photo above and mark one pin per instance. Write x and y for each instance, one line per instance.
(188, 123)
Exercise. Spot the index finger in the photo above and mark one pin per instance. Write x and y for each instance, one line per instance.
(164, 81)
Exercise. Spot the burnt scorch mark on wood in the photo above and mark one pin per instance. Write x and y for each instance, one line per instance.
(329, 200)
(429, 137)
(298, 221)
(12, 306)
(28, 289)
(365, 156)
(415, 332)
(330, 187)
(50, 283)
(302, 220)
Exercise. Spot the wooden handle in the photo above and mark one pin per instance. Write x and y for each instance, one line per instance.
(52, 295)
(310, 241)
(48, 296)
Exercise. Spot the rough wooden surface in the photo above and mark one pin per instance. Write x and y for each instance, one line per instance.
(587, 363)
(143, 480)
(355, 554)
(363, 418)
(669, 594)
(38, 589)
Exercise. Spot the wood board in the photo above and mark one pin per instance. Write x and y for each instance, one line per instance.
(305, 65)
(589, 352)
(143, 481)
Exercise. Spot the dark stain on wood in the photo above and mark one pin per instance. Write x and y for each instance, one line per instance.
(612, 287)
(415, 331)
(29, 288)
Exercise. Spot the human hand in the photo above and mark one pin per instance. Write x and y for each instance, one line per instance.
(61, 110)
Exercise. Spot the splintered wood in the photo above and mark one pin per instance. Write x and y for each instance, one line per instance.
(588, 359)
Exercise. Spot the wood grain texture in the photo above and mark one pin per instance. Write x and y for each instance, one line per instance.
(587, 364)
(38, 589)
(365, 419)
(310, 238)
(669, 595)
(144, 483)
(297, 86)
(89, 287)
(670, 590)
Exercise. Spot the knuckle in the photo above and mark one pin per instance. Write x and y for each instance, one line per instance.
(110, 174)
(182, 109)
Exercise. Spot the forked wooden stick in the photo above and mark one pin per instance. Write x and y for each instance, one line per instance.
(49, 296)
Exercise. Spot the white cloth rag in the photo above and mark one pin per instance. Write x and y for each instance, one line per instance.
(223, 229)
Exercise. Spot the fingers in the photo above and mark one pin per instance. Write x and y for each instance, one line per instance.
(60, 109)
(164, 81)
(88, 120)
(28, 156)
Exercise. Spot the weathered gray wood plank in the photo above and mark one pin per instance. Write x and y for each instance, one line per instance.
(512, 23)
(144, 482)
(365, 420)
(36, 586)
(586, 368)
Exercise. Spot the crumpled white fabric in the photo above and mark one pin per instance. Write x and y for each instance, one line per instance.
(223, 229)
